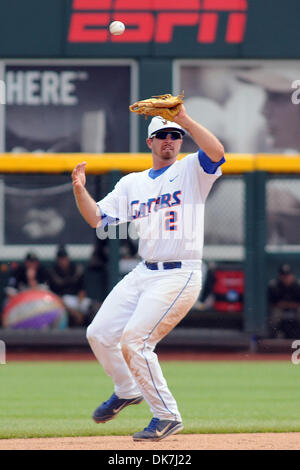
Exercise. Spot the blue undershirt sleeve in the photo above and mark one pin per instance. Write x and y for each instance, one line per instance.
(207, 164)
(107, 219)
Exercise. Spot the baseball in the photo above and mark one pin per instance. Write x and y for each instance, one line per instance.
(117, 28)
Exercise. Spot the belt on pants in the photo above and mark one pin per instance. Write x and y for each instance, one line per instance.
(165, 265)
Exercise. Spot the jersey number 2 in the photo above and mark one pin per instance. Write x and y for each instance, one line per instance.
(170, 221)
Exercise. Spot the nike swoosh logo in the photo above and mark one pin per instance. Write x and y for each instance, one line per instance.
(173, 179)
(116, 410)
(159, 433)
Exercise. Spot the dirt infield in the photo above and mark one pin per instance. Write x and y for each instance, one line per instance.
(261, 441)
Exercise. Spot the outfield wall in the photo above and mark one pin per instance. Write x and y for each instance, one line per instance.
(258, 194)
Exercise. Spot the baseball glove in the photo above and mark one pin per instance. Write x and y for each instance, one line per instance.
(167, 106)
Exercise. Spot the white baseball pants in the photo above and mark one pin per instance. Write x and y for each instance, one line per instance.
(141, 309)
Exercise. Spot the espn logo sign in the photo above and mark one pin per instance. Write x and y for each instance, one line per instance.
(156, 20)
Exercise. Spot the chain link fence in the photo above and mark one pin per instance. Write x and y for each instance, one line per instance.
(283, 213)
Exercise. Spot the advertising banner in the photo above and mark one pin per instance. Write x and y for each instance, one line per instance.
(251, 106)
(69, 107)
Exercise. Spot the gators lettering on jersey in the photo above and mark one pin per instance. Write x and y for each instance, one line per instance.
(143, 209)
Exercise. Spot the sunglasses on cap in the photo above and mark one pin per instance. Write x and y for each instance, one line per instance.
(162, 135)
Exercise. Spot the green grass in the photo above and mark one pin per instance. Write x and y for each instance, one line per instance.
(57, 399)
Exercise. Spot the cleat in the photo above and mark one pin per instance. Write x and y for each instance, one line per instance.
(158, 429)
(110, 408)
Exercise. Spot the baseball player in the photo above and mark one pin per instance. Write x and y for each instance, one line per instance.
(166, 204)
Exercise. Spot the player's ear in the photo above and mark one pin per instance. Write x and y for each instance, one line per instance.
(149, 143)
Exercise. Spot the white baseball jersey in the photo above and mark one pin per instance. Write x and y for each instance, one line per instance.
(166, 206)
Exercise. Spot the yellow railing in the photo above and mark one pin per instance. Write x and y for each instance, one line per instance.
(128, 162)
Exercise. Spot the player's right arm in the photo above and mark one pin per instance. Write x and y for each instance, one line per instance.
(85, 203)
(205, 140)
